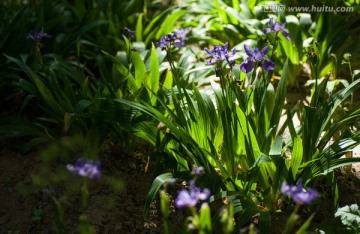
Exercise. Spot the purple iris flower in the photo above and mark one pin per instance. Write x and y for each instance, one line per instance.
(298, 193)
(166, 41)
(181, 36)
(220, 53)
(189, 198)
(178, 38)
(275, 27)
(256, 56)
(129, 33)
(186, 199)
(198, 171)
(86, 168)
(37, 35)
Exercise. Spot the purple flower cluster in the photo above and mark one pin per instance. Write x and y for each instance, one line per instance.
(189, 198)
(298, 193)
(181, 36)
(178, 38)
(221, 53)
(275, 27)
(86, 168)
(129, 33)
(37, 35)
(255, 56)
(197, 171)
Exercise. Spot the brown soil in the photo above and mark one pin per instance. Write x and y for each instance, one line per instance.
(28, 183)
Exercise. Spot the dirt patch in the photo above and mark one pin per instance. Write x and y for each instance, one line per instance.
(116, 201)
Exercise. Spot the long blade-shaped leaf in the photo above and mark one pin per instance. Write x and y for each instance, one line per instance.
(154, 189)
(140, 69)
(153, 80)
(296, 157)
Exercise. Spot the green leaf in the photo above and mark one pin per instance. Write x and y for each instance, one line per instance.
(82, 105)
(26, 86)
(146, 131)
(289, 47)
(265, 222)
(154, 190)
(326, 112)
(59, 215)
(349, 215)
(168, 25)
(329, 159)
(276, 148)
(323, 169)
(332, 181)
(280, 98)
(245, 216)
(105, 74)
(303, 227)
(153, 80)
(151, 26)
(205, 219)
(46, 95)
(131, 83)
(140, 69)
(168, 80)
(88, 27)
(296, 157)
(34, 142)
(64, 99)
(290, 123)
(164, 203)
(188, 144)
(139, 28)
(44, 92)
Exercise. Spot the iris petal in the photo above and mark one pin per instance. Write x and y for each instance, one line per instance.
(271, 23)
(265, 50)
(268, 65)
(247, 65)
(286, 34)
(266, 30)
(257, 55)
(248, 51)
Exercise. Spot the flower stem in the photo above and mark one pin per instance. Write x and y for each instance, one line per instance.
(84, 194)
(292, 220)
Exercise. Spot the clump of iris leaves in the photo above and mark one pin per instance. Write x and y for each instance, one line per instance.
(202, 83)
